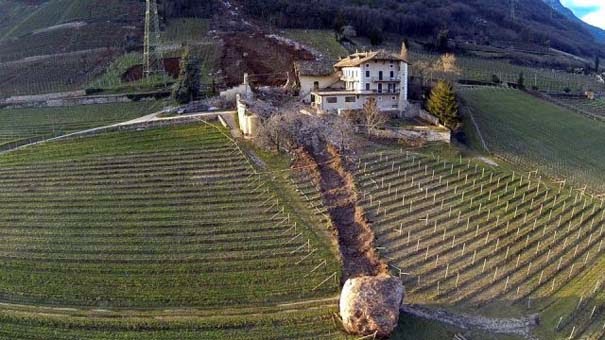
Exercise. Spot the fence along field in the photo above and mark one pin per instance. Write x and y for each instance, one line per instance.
(534, 134)
(163, 218)
(474, 238)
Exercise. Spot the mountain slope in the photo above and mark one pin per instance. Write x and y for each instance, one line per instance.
(484, 21)
(597, 33)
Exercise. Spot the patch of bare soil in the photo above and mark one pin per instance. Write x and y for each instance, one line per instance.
(134, 73)
(355, 236)
(267, 60)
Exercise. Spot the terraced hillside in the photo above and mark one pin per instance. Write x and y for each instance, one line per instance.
(488, 242)
(62, 45)
(592, 107)
(17, 125)
(58, 12)
(163, 233)
(534, 134)
(57, 73)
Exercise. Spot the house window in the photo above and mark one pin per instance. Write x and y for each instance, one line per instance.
(367, 65)
(393, 98)
(332, 100)
(367, 86)
(349, 99)
(392, 74)
(367, 74)
(316, 85)
(379, 88)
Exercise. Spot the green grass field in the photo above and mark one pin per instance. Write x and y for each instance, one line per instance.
(186, 30)
(323, 41)
(533, 134)
(170, 222)
(32, 123)
(481, 69)
(488, 241)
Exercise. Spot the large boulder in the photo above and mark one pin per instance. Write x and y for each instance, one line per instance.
(370, 304)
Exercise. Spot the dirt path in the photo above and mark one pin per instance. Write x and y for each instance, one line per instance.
(355, 237)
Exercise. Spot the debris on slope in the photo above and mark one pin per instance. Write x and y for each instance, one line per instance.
(371, 298)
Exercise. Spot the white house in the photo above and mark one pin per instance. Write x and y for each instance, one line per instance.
(315, 75)
(377, 74)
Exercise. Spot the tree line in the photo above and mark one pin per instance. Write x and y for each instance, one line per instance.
(474, 20)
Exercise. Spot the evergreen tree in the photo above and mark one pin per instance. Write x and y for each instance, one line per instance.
(441, 41)
(188, 86)
(442, 104)
(521, 81)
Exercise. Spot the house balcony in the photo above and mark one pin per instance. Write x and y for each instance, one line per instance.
(348, 78)
(342, 92)
(385, 91)
(386, 79)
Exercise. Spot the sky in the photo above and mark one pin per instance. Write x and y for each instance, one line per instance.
(591, 11)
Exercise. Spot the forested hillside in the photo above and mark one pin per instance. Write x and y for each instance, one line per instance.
(484, 21)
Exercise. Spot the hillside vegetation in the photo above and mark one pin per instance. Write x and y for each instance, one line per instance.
(56, 12)
(534, 134)
(473, 20)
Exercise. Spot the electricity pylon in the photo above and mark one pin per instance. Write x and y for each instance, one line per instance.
(513, 9)
(153, 62)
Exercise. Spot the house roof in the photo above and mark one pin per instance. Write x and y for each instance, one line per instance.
(320, 67)
(359, 58)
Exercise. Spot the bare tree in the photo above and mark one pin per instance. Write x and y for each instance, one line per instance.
(374, 118)
(271, 133)
(340, 132)
(447, 64)
(290, 130)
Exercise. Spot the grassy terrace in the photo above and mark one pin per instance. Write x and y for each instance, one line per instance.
(488, 242)
(594, 107)
(534, 134)
(166, 218)
(323, 41)
(20, 124)
(186, 30)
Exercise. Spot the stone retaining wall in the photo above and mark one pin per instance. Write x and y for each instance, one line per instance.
(423, 133)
